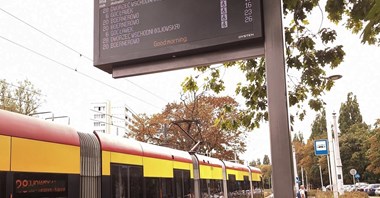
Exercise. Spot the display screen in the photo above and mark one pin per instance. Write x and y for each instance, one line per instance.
(40, 185)
(142, 30)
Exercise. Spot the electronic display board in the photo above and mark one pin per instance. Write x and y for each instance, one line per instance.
(136, 31)
(40, 185)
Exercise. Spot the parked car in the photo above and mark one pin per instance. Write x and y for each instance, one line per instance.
(348, 188)
(377, 191)
(370, 189)
(361, 187)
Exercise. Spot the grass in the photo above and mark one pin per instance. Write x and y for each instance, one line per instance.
(320, 194)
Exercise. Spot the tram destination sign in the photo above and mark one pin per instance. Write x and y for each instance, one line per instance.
(132, 32)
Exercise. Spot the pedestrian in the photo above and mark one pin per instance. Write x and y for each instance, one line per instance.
(301, 192)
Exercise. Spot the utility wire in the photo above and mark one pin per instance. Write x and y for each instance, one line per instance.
(40, 31)
(159, 97)
(83, 74)
(72, 49)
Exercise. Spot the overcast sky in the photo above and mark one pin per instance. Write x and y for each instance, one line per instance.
(67, 77)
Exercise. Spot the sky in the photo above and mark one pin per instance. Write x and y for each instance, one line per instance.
(54, 50)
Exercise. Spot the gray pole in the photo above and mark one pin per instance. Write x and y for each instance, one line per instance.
(303, 181)
(332, 164)
(280, 140)
(296, 186)
(338, 161)
(320, 173)
(328, 168)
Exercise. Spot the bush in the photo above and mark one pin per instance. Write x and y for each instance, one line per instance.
(329, 194)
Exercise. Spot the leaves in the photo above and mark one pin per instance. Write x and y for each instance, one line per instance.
(214, 121)
(349, 113)
(21, 98)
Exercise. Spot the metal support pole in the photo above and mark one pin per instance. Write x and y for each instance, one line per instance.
(303, 181)
(328, 167)
(296, 186)
(307, 182)
(320, 173)
(332, 163)
(338, 161)
(280, 139)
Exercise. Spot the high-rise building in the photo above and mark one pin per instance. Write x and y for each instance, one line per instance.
(111, 117)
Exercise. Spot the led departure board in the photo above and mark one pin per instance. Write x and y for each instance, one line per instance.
(40, 185)
(135, 31)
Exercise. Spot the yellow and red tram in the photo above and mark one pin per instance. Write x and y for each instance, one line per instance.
(42, 159)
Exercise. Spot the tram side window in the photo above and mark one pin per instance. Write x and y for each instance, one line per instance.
(159, 187)
(231, 184)
(127, 181)
(2, 184)
(152, 187)
(211, 188)
(246, 185)
(182, 181)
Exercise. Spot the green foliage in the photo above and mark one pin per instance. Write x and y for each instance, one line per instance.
(22, 98)
(258, 162)
(266, 171)
(304, 55)
(349, 113)
(318, 128)
(373, 153)
(353, 148)
(358, 16)
(266, 160)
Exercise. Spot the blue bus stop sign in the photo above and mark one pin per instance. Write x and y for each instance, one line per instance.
(321, 147)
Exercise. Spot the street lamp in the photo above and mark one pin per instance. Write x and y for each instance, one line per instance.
(338, 161)
(336, 172)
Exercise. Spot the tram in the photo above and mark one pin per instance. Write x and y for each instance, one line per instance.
(45, 160)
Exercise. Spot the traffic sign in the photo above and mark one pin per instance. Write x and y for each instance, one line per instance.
(353, 172)
(357, 176)
(320, 147)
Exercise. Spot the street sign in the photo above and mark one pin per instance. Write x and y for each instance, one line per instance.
(320, 147)
(353, 172)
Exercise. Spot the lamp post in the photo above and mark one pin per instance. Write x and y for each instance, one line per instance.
(332, 163)
(332, 150)
(296, 184)
(338, 161)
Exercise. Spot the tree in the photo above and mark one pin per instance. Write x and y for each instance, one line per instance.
(266, 171)
(253, 163)
(318, 127)
(349, 113)
(266, 160)
(258, 162)
(308, 53)
(373, 153)
(22, 98)
(206, 119)
(353, 148)
(356, 14)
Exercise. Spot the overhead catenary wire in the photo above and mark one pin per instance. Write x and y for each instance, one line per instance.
(81, 73)
(47, 35)
(72, 49)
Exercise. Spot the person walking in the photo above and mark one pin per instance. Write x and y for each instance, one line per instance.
(301, 192)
